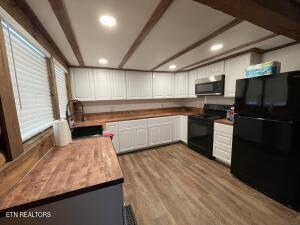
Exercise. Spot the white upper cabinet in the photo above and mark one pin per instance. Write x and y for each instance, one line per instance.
(118, 84)
(193, 75)
(203, 72)
(216, 68)
(163, 85)
(82, 84)
(235, 69)
(181, 85)
(138, 85)
(102, 84)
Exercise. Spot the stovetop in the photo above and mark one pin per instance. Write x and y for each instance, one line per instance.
(208, 116)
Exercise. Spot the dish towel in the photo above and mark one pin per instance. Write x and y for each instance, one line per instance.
(107, 133)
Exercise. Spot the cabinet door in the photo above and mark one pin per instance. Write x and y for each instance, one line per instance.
(138, 85)
(154, 135)
(127, 139)
(102, 84)
(113, 127)
(82, 84)
(216, 68)
(177, 128)
(181, 85)
(183, 128)
(193, 75)
(166, 132)
(234, 70)
(118, 84)
(142, 137)
(163, 85)
(203, 72)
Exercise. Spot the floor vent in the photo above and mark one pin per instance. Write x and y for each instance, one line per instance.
(130, 218)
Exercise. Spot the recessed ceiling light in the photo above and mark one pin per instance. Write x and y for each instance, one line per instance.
(103, 61)
(216, 47)
(108, 21)
(172, 67)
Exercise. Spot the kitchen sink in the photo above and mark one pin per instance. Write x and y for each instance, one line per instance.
(78, 132)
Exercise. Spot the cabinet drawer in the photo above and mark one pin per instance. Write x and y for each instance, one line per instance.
(223, 128)
(222, 153)
(160, 120)
(133, 123)
(223, 139)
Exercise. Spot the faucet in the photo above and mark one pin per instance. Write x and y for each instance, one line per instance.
(70, 116)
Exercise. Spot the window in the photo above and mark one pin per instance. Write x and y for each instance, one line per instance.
(60, 77)
(30, 81)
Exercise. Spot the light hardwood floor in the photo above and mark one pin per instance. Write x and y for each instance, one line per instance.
(174, 185)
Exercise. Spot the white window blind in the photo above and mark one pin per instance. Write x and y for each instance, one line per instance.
(30, 81)
(60, 77)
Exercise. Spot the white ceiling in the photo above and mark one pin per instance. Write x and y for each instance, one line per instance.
(264, 45)
(184, 23)
(234, 37)
(96, 41)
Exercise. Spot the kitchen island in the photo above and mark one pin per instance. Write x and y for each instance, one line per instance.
(80, 183)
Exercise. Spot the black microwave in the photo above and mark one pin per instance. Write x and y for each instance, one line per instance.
(212, 85)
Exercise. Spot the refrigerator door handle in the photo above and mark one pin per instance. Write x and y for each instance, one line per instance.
(267, 119)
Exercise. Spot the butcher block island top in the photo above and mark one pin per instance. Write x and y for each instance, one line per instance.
(93, 119)
(84, 165)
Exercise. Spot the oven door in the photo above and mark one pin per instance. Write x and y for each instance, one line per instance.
(211, 88)
(200, 136)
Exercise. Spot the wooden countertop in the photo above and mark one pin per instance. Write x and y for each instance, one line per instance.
(84, 165)
(103, 118)
(224, 121)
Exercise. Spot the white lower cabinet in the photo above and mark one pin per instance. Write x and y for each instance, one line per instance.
(138, 134)
(114, 128)
(166, 133)
(142, 137)
(177, 131)
(126, 139)
(183, 128)
(154, 135)
(161, 130)
(223, 142)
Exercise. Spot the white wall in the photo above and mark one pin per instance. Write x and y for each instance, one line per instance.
(124, 105)
(289, 57)
(199, 102)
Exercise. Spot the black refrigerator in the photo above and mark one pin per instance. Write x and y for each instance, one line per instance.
(266, 136)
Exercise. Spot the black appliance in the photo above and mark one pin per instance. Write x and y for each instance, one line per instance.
(201, 128)
(212, 85)
(266, 149)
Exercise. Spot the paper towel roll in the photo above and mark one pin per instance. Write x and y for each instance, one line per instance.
(61, 132)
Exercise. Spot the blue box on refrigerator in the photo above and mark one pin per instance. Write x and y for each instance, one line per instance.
(267, 68)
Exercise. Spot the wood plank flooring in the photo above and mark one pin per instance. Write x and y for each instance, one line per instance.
(172, 185)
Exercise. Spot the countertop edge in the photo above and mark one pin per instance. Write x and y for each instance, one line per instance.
(59, 197)
(224, 121)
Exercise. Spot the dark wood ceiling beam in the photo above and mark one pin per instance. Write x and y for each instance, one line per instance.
(62, 16)
(281, 46)
(280, 16)
(156, 15)
(200, 42)
(248, 44)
